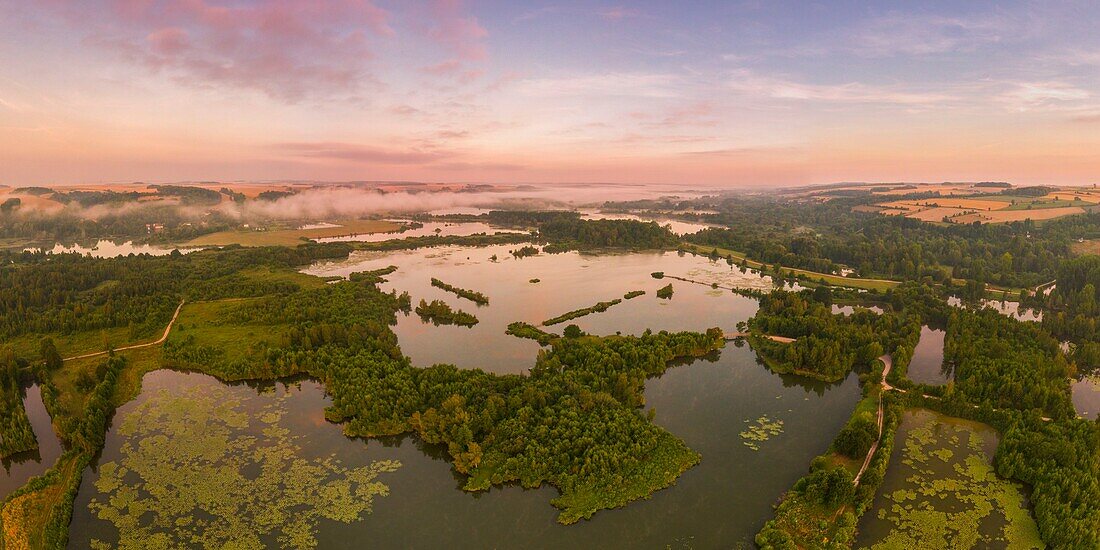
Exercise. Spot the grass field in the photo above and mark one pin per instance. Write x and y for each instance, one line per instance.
(204, 321)
(1089, 246)
(79, 343)
(292, 236)
(284, 275)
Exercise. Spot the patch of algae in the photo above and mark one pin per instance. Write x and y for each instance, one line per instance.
(944, 507)
(762, 430)
(192, 475)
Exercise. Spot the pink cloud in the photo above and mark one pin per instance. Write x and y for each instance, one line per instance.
(619, 13)
(361, 153)
(288, 49)
(462, 36)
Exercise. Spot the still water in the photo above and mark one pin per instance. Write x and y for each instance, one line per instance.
(1086, 395)
(444, 229)
(16, 470)
(679, 227)
(927, 365)
(566, 282)
(941, 491)
(720, 503)
(110, 249)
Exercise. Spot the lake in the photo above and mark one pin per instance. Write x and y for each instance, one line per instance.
(708, 403)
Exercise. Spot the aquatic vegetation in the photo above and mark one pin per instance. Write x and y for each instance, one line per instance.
(524, 251)
(665, 292)
(520, 329)
(476, 297)
(197, 470)
(440, 313)
(761, 430)
(951, 498)
(600, 307)
(633, 294)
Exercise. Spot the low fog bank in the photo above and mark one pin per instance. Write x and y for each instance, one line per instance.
(335, 202)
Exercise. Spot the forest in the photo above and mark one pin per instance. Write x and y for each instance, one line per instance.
(822, 236)
(826, 346)
(575, 421)
(439, 312)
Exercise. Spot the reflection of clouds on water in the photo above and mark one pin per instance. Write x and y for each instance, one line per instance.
(729, 277)
(108, 249)
(569, 281)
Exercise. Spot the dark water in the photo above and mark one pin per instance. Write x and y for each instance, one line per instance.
(720, 503)
(1086, 395)
(927, 365)
(16, 470)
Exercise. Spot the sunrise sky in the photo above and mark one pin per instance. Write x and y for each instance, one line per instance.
(716, 93)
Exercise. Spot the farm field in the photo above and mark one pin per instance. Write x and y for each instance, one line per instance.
(986, 208)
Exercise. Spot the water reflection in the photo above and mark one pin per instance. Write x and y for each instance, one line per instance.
(566, 282)
(679, 227)
(1086, 395)
(109, 249)
(927, 365)
(424, 229)
(721, 502)
(16, 470)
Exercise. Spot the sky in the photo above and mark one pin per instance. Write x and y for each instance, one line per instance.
(723, 93)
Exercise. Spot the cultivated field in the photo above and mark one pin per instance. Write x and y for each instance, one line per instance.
(984, 207)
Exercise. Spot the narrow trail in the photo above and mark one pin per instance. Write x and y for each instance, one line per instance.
(736, 335)
(160, 340)
(888, 363)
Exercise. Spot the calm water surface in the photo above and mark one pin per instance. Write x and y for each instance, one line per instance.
(429, 228)
(678, 227)
(927, 365)
(16, 470)
(720, 503)
(567, 282)
(109, 249)
(1086, 395)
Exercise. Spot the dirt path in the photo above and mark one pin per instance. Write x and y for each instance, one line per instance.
(888, 363)
(160, 340)
(736, 335)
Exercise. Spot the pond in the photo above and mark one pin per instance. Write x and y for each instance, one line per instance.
(1086, 395)
(110, 249)
(721, 502)
(16, 470)
(710, 403)
(848, 310)
(941, 491)
(927, 366)
(444, 229)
